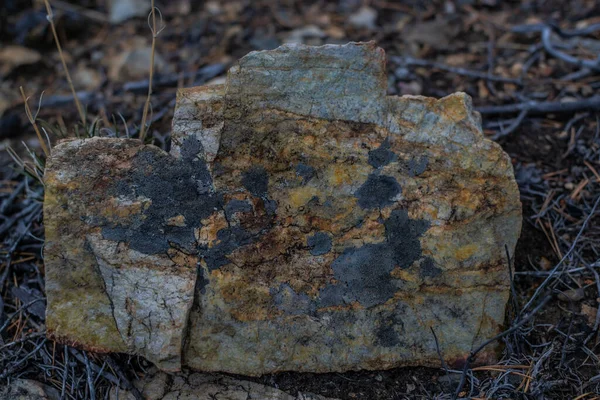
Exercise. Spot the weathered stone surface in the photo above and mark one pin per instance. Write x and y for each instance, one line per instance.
(27, 389)
(119, 270)
(315, 223)
(157, 385)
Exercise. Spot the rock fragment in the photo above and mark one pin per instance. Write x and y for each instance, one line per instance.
(27, 389)
(303, 221)
(188, 385)
(121, 268)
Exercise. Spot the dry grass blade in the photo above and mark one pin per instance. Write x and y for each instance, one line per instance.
(32, 120)
(155, 33)
(50, 17)
(31, 170)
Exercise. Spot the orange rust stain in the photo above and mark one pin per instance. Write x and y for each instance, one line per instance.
(339, 174)
(400, 273)
(181, 259)
(355, 305)
(302, 195)
(117, 209)
(247, 303)
(469, 199)
(178, 220)
(207, 235)
(454, 108)
(465, 252)
(370, 231)
(309, 140)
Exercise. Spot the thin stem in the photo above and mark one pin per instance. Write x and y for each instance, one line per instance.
(143, 128)
(32, 119)
(50, 18)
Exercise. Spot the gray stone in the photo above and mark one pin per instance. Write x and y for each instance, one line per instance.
(122, 10)
(195, 386)
(27, 389)
(303, 221)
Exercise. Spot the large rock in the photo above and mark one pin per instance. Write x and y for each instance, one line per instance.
(302, 221)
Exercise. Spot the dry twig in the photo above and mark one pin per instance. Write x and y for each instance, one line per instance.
(155, 33)
(50, 17)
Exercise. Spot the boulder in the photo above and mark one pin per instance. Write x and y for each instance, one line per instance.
(302, 221)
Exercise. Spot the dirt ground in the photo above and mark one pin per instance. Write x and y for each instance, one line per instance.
(532, 68)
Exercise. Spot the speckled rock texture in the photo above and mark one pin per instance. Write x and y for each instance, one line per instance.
(187, 385)
(303, 221)
(27, 389)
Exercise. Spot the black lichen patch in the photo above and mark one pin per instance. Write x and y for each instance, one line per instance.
(382, 156)
(174, 187)
(319, 243)
(416, 166)
(306, 172)
(378, 191)
(256, 181)
(402, 234)
(237, 206)
(229, 239)
(191, 148)
(254, 221)
(270, 206)
(363, 273)
(429, 269)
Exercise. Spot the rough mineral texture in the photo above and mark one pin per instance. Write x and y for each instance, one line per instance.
(27, 389)
(156, 385)
(302, 221)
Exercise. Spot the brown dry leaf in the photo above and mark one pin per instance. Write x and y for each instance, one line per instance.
(574, 295)
(8, 98)
(87, 78)
(12, 57)
(437, 33)
(516, 69)
(460, 59)
(134, 64)
(335, 32)
(584, 23)
(589, 313)
(545, 264)
(484, 93)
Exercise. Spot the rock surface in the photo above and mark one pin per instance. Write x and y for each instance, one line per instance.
(302, 221)
(195, 386)
(27, 389)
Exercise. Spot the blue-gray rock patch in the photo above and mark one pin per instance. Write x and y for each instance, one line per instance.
(418, 165)
(237, 206)
(319, 243)
(306, 172)
(382, 155)
(378, 191)
(429, 269)
(256, 181)
(363, 273)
